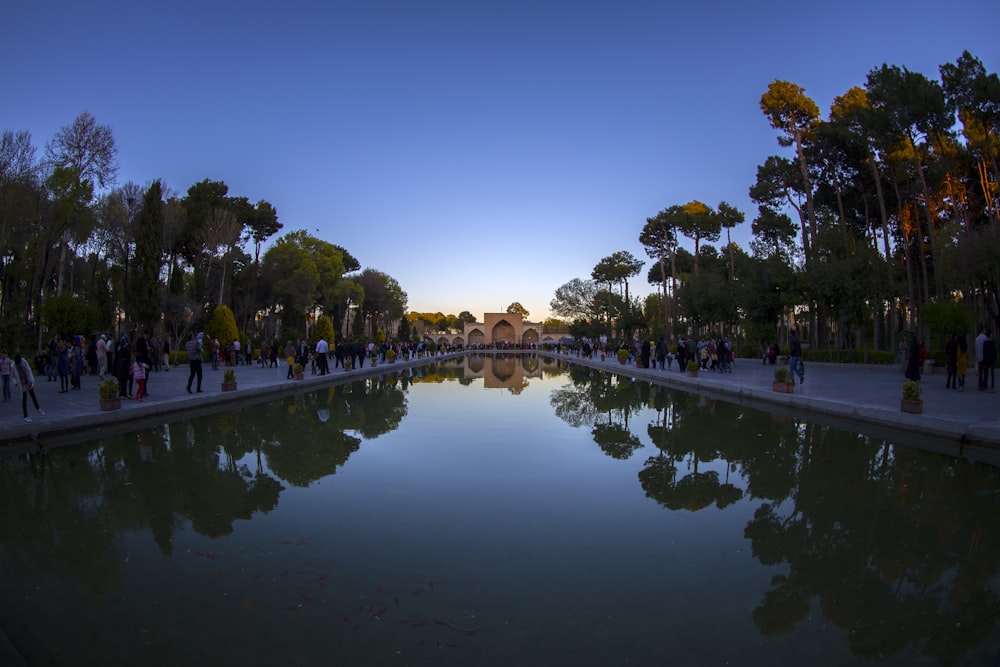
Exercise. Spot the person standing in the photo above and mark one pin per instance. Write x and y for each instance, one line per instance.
(102, 356)
(193, 348)
(980, 366)
(951, 361)
(290, 357)
(139, 368)
(795, 356)
(989, 361)
(6, 367)
(123, 361)
(26, 380)
(962, 361)
(913, 359)
(322, 356)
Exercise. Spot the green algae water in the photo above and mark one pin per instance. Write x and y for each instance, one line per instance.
(498, 511)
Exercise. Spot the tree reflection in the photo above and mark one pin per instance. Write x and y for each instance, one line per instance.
(65, 512)
(897, 546)
(604, 402)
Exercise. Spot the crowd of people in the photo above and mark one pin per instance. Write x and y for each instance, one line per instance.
(133, 357)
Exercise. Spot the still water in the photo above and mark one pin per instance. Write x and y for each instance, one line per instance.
(498, 512)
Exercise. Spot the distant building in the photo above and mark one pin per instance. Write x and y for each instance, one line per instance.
(499, 329)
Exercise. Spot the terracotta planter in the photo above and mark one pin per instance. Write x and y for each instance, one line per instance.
(912, 407)
(693, 374)
(299, 376)
(111, 404)
(783, 387)
(228, 386)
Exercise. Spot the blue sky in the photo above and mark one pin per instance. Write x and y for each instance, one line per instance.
(479, 152)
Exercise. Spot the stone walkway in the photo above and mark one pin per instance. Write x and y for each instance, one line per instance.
(856, 397)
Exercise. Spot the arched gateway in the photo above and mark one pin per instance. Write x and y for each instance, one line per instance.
(502, 329)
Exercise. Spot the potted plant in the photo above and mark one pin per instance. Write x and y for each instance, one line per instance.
(911, 402)
(783, 381)
(108, 392)
(390, 355)
(622, 356)
(229, 380)
(692, 368)
(298, 371)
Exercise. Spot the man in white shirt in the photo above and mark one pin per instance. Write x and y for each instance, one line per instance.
(980, 366)
(322, 356)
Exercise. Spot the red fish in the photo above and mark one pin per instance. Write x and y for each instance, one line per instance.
(469, 633)
(305, 597)
(347, 619)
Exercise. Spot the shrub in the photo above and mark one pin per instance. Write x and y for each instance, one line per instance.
(108, 388)
(228, 376)
(911, 390)
(781, 374)
(692, 365)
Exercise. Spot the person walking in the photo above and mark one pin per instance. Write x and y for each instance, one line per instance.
(24, 377)
(193, 348)
(795, 356)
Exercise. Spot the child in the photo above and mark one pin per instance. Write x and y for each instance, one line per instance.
(139, 375)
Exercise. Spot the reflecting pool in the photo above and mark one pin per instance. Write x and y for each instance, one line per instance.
(498, 512)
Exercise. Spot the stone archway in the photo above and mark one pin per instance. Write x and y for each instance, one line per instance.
(503, 332)
(530, 337)
(476, 337)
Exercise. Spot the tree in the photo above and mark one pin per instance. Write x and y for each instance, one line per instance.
(700, 223)
(87, 149)
(575, 299)
(729, 217)
(516, 307)
(323, 329)
(145, 286)
(222, 325)
(790, 111)
(659, 237)
(617, 268)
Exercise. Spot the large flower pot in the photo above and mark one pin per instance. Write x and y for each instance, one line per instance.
(784, 387)
(228, 386)
(111, 404)
(912, 407)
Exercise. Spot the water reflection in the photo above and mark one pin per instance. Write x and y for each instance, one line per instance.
(896, 547)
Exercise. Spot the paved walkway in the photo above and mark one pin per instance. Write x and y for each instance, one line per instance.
(857, 397)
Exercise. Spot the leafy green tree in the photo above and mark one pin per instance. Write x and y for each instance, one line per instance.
(222, 325)
(145, 287)
(576, 300)
(793, 113)
(323, 329)
(699, 223)
(516, 307)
